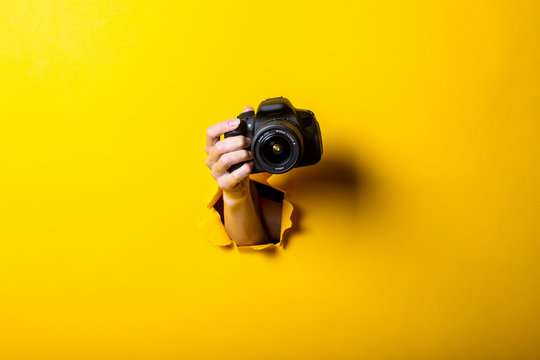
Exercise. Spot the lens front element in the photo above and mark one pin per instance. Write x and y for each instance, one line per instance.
(278, 147)
(276, 150)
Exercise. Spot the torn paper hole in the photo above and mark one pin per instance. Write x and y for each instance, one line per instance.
(213, 229)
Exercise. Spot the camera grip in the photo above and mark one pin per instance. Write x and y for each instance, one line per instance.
(240, 130)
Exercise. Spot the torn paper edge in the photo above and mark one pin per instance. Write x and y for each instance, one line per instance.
(213, 230)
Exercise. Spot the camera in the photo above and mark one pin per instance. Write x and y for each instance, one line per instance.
(282, 137)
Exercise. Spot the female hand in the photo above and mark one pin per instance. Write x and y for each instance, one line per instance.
(224, 153)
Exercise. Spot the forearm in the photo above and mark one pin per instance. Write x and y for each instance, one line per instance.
(242, 218)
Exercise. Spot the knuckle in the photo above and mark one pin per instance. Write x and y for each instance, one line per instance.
(226, 159)
(220, 147)
(222, 183)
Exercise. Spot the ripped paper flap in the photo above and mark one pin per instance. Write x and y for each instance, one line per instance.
(213, 230)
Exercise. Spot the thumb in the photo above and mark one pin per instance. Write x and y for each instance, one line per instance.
(248, 108)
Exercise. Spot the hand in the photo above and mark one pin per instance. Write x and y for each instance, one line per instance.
(224, 153)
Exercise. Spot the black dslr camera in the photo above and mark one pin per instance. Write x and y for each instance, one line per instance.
(282, 137)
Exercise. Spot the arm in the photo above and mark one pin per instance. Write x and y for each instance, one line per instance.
(242, 215)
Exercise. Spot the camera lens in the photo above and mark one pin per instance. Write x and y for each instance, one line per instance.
(276, 149)
(277, 146)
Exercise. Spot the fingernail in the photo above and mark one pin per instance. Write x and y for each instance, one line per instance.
(248, 140)
(234, 122)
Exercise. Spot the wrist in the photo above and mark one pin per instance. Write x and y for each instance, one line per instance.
(238, 193)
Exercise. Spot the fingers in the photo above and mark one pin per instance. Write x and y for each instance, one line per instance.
(227, 160)
(224, 146)
(222, 154)
(228, 181)
(215, 131)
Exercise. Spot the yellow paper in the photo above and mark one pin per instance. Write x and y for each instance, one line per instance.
(418, 233)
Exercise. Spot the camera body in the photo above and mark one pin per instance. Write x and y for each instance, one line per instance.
(282, 137)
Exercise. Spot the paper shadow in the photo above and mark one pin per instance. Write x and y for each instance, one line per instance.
(337, 182)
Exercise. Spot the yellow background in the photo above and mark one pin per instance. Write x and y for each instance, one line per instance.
(419, 231)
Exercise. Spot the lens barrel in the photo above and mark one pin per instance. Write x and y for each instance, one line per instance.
(278, 146)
